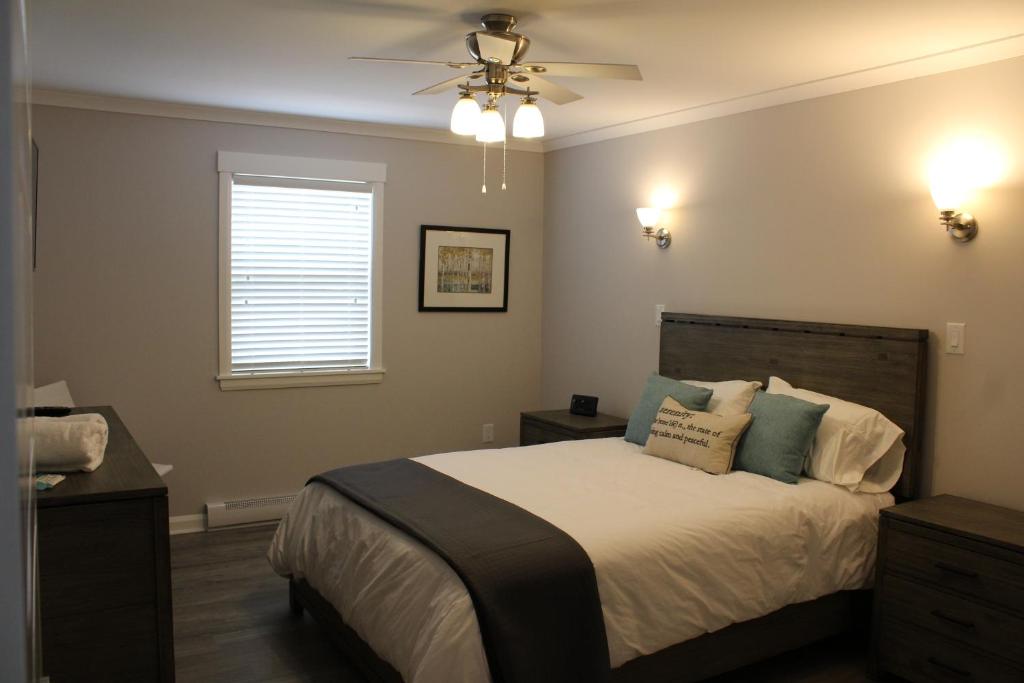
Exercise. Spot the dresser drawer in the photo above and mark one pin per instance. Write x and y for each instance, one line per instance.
(921, 655)
(548, 426)
(955, 568)
(95, 556)
(123, 647)
(531, 434)
(961, 618)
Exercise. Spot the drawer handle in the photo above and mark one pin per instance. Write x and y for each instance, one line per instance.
(970, 574)
(951, 669)
(953, 620)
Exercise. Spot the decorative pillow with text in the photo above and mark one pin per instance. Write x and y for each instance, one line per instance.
(690, 437)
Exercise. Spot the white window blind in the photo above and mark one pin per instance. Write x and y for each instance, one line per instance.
(300, 275)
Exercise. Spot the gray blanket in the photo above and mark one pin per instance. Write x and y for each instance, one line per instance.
(532, 585)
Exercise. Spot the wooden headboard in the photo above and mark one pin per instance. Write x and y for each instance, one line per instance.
(880, 367)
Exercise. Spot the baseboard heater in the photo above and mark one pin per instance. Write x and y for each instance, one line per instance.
(246, 511)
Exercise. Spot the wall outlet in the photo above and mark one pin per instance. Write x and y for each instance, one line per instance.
(658, 310)
(488, 433)
(955, 333)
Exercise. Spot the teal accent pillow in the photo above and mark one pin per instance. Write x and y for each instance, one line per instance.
(779, 436)
(658, 387)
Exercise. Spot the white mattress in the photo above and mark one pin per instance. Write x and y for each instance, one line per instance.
(677, 552)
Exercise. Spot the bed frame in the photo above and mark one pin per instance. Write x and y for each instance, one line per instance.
(881, 367)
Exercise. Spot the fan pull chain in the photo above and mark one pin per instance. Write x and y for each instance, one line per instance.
(483, 188)
(504, 152)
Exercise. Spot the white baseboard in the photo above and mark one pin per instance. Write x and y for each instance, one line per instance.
(187, 524)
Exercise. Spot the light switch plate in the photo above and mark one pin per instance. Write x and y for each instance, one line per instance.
(955, 333)
(658, 310)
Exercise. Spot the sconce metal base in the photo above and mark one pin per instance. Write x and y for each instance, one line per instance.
(962, 227)
(662, 237)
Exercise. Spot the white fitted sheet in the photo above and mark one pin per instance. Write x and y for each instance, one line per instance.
(677, 552)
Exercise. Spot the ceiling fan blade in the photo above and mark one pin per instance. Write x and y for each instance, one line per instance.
(378, 8)
(628, 72)
(552, 91)
(385, 60)
(444, 85)
(494, 48)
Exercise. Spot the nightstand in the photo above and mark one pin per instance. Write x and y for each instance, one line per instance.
(949, 592)
(546, 426)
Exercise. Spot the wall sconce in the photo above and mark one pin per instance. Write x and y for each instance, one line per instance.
(958, 169)
(648, 217)
(949, 193)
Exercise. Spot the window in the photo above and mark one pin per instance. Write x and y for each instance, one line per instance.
(299, 271)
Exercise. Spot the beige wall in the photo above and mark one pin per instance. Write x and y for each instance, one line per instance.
(817, 210)
(126, 303)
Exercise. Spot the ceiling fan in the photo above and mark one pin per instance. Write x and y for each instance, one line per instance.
(498, 54)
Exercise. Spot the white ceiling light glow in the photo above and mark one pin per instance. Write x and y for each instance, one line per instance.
(492, 126)
(528, 121)
(465, 115)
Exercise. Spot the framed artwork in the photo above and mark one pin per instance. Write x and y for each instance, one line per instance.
(463, 269)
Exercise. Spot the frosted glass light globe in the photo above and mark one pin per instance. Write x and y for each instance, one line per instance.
(492, 126)
(528, 121)
(465, 116)
(648, 216)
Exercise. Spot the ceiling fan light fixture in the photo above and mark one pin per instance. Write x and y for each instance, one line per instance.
(465, 115)
(492, 126)
(528, 121)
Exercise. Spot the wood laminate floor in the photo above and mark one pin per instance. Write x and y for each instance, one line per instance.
(231, 623)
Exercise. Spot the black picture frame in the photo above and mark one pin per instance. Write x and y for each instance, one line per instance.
(424, 308)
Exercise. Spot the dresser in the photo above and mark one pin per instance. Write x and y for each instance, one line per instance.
(104, 569)
(949, 592)
(547, 426)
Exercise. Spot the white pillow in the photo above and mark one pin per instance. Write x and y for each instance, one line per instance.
(731, 397)
(886, 471)
(855, 446)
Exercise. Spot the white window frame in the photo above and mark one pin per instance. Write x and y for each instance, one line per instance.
(305, 168)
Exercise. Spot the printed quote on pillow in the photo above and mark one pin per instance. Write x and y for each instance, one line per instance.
(690, 437)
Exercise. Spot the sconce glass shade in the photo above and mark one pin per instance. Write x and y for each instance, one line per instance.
(648, 216)
(963, 166)
(465, 115)
(950, 189)
(528, 121)
(492, 126)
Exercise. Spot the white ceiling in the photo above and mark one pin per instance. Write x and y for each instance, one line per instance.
(290, 56)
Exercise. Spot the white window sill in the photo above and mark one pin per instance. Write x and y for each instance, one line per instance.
(300, 379)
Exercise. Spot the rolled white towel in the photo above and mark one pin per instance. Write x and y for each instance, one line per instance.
(68, 444)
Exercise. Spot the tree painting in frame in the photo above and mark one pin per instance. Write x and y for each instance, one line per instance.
(463, 269)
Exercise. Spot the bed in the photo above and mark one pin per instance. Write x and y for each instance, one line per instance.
(696, 574)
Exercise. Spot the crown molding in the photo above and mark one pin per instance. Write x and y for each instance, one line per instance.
(1008, 47)
(964, 57)
(196, 112)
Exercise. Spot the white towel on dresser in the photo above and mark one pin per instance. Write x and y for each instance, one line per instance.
(69, 444)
